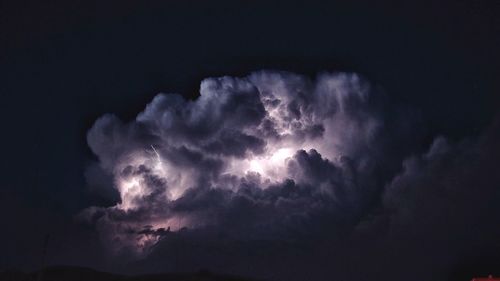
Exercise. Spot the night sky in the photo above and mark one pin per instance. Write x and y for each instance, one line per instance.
(348, 140)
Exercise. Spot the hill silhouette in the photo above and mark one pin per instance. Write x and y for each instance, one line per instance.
(64, 273)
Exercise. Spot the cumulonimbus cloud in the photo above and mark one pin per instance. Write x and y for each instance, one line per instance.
(274, 142)
(273, 156)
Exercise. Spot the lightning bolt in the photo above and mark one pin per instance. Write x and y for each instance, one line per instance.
(157, 154)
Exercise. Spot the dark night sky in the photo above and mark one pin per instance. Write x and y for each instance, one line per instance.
(65, 63)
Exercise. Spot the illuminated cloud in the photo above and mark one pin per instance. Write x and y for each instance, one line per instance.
(274, 169)
(271, 150)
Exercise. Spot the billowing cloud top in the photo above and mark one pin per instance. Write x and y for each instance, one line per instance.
(256, 151)
(272, 156)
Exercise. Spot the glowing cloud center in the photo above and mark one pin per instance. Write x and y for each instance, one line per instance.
(271, 165)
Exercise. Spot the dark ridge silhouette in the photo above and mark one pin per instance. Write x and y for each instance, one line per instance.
(474, 268)
(65, 273)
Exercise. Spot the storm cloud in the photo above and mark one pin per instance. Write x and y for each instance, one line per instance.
(326, 170)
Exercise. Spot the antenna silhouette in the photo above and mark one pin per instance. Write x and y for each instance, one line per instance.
(44, 253)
